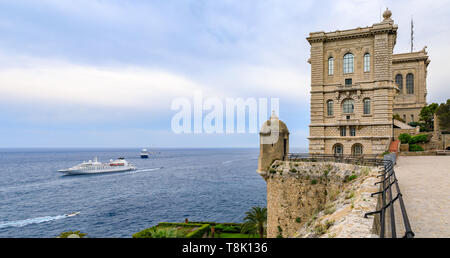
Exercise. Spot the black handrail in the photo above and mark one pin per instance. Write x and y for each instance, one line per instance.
(388, 180)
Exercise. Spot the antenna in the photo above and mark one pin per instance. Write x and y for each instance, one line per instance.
(412, 34)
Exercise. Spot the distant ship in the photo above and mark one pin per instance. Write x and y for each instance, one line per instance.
(95, 167)
(144, 154)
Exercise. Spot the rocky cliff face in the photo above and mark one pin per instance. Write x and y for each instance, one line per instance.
(320, 199)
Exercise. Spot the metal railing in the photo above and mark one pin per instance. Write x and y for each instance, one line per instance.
(388, 181)
(387, 202)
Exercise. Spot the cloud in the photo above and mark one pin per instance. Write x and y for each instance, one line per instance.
(61, 82)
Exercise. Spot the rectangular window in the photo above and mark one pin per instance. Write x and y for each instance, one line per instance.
(330, 66)
(366, 106)
(352, 131)
(348, 82)
(412, 118)
(343, 131)
(366, 63)
(330, 108)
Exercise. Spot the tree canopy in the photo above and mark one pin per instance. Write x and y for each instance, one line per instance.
(443, 114)
(427, 116)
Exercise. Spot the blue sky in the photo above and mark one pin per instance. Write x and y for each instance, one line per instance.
(91, 73)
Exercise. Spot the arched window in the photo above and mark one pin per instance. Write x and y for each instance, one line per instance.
(330, 66)
(399, 81)
(348, 63)
(366, 106)
(329, 107)
(348, 106)
(410, 83)
(357, 149)
(338, 149)
(367, 62)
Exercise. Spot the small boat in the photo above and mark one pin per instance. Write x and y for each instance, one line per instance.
(96, 167)
(73, 214)
(144, 154)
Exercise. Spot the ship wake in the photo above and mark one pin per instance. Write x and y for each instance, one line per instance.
(22, 223)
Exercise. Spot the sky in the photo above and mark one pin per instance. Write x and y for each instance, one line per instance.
(97, 73)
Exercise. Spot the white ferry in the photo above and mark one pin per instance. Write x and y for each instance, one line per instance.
(144, 154)
(95, 167)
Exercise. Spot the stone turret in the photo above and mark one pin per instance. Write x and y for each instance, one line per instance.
(274, 143)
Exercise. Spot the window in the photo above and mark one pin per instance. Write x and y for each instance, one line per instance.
(357, 149)
(348, 106)
(404, 118)
(343, 131)
(348, 82)
(410, 83)
(352, 131)
(330, 66)
(412, 118)
(329, 107)
(367, 62)
(366, 106)
(348, 63)
(399, 81)
(338, 149)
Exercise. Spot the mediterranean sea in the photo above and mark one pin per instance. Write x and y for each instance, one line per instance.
(173, 184)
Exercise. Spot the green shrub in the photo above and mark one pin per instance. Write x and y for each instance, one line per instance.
(68, 233)
(228, 228)
(404, 138)
(298, 220)
(415, 147)
(418, 138)
(350, 178)
(173, 230)
(314, 181)
(199, 232)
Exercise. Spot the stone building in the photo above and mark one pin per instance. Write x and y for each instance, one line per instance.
(354, 94)
(410, 75)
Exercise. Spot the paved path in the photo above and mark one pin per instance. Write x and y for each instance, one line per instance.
(425, 185)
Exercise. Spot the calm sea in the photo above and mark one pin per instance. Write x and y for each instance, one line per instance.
(173, 184)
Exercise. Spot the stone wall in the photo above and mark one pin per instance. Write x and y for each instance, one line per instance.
(319, 199)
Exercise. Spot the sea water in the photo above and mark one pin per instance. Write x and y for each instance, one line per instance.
(171, 185)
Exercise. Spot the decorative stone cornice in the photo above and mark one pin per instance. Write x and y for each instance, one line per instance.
(411, 57)
(378, 28)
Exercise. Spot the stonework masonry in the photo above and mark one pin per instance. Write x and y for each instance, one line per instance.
(320, 199)
(366, 83)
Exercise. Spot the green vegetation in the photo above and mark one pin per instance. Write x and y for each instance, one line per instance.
(68, 233)
(427, 117)
(443, 114)
(272, 171)
(321, 229)
(350, 178)
(314, 181)
(280, 232)
(404, 138)
(418, 138)
(255, 221)
(174, 230)
(415, 147)
(298, 220)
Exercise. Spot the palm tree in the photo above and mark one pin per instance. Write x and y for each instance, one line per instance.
(255, 221)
